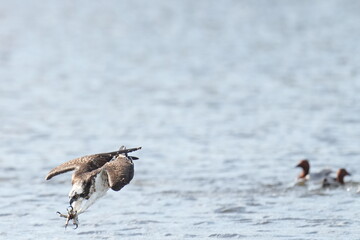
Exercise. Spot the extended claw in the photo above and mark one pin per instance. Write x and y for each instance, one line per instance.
(72, 215)
(62, 215)
(67, 221)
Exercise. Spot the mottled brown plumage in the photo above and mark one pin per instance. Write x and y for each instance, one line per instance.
(81, 165)
(87, 164)
(93, 176)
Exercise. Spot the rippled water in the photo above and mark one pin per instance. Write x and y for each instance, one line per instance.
(225, 97)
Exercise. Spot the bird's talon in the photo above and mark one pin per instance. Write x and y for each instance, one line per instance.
(62, 215)
(72, 215)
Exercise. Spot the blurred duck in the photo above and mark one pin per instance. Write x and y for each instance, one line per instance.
(306, 175)
(338, 181)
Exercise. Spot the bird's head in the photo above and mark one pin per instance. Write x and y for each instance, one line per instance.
(76, 192)
(341, 173)
(304, 164)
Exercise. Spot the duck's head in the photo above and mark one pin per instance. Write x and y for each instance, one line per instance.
(304, 164)
(341, 173)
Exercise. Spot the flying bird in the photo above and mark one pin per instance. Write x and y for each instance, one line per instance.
(92, 178)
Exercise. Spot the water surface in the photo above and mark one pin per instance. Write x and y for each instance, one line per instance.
(225, 97)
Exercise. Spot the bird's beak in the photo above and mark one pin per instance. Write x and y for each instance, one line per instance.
(133, 158)
(348, 174)
(71, 201)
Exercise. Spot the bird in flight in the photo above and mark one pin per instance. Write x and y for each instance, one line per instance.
(92, 178)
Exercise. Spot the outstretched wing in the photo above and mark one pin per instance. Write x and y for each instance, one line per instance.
(120, 172)
(83, 164)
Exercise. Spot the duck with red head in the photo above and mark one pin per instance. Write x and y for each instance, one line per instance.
(313, 176)
(338, 181)
(304, 164)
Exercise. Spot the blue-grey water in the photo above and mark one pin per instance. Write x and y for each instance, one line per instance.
(225, 97)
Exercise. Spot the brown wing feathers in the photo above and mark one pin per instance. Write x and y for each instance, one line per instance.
(87, 163)
(58, 170)
(120, 171)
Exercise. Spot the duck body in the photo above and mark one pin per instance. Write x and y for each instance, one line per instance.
(333, 182)
(306, 175)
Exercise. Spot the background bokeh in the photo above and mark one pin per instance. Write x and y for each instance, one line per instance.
(225, 97)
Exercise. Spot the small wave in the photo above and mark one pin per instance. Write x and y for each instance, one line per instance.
(226, 235)
(5, 214)
(263, 222)
(38, 225)
(204, 223)
(129, 229)
(146, 222)
(90, 232)
(190, 236)
(230, 210)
